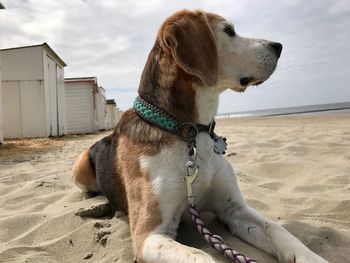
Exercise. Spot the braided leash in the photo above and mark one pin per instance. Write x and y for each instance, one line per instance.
(214, 240)
(191, 171)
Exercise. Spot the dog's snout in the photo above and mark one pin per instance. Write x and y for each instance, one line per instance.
(277, 48)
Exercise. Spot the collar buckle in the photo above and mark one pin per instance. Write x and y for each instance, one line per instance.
(212, 127)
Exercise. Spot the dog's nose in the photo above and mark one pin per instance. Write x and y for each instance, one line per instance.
(277, 48)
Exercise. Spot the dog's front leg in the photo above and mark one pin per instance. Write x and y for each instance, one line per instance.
(251, 226)
(159, 248)
(156, 202)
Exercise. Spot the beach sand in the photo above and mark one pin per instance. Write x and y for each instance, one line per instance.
(295, 170)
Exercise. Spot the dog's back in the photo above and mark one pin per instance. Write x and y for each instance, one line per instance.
(96, 171)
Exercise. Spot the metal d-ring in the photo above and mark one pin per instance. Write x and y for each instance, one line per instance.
(193, 157)
(190, 168)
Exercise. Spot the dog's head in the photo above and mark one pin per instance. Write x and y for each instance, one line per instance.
(206, 45)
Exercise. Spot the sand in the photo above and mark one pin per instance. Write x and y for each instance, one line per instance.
(295, 170)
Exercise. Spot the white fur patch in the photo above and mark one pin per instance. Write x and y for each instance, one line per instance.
(167, 170)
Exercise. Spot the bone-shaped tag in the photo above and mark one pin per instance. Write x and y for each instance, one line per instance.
(220, 145)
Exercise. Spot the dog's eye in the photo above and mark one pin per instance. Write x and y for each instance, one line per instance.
(230, 31)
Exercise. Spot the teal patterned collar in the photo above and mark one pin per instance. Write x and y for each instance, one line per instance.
(156, 116)
(167, 122)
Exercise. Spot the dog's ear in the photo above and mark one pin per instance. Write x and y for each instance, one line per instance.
(193, 47)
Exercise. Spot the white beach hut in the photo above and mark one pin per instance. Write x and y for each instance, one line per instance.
(101, 108)
(81, 112)
(112, 114)
(1, 114)
(1, 121)
(119, 114)
(32, 92)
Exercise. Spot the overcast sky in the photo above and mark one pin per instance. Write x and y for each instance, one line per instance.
(111, 40)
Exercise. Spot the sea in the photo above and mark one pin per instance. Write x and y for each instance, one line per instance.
(330, 108)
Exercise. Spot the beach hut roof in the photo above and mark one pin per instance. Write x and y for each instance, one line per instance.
(111, 101)
(81, 79)
(48, 49)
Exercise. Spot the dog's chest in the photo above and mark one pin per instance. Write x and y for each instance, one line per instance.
(167, 170)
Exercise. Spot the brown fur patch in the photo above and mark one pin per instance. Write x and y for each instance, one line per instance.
(167, 86)
(197, 54)
(83, 175)
(141, 132)
(144, 211)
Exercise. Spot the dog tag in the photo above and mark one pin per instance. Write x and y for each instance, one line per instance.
(220, 145)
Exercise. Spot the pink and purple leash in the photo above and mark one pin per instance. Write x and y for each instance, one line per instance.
(191, 171)
(214, 240)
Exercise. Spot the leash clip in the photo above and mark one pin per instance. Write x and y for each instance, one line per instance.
(191, 173)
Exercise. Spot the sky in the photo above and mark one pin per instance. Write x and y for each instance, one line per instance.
(111, 39)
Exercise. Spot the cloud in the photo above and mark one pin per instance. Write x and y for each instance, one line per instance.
(111, 40)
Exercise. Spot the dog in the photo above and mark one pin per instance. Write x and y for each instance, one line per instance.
(140, 166)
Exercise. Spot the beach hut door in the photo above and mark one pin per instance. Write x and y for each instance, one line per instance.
(53, 92)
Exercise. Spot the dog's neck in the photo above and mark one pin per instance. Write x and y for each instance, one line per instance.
(176, 92)
(207, 101)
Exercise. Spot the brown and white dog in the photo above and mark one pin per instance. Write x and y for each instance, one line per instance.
(140, 168)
